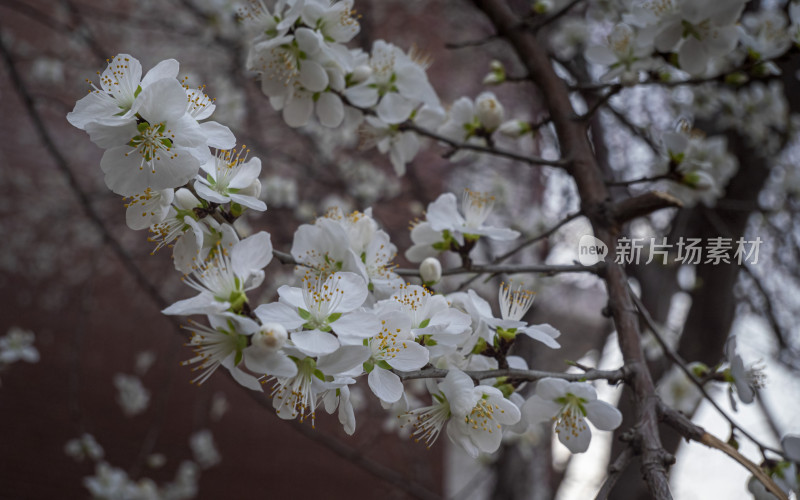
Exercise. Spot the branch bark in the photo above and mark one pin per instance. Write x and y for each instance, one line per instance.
(583, 167)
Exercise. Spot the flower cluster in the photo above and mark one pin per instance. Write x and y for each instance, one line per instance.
(350, 316)
(158, 153)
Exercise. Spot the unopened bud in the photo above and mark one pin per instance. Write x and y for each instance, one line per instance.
(542, 6)
(271, 337)
(490, 111)
(497, 73)
(514, 129)
(430, 270)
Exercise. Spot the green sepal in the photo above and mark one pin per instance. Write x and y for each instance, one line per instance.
(506, 389)
(333, 317)
(303, 313)
(480, 346)
(368, 366)
(424, 323)
(383, 364)
(507, 334)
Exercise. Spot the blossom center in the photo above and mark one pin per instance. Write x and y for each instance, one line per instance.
(152, 142)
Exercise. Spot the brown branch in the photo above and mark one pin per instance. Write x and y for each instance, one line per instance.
(602, 101)
(615, 470)
(612, 376)
(682, 365)
(535, 26)
(583, 167)
(641, 205)
(471, 43)
(530, 160)
(530, 241)
(511, 268)
(640, 180)
(633, 128)
(692, 431)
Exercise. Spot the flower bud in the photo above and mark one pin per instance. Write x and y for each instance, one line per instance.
(514, 129)
(430, 270)
(490, 111)
(497, 73)
(360, 73)
(271, 337)
(542, 6)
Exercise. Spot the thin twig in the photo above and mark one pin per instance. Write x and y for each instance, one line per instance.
(612, 376)
(692, 431)
(511, 268)
(681, 363)
(612, 91)
(535, 26)
(640, 180)
(633, 128)
(530, 160)
(471, 43)
(530, 241)
(615, 470)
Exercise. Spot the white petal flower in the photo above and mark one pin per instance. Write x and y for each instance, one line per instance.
(221, 344)
(148, 208)
(569, 404)
(16, 345)
(232, 178)
(443, 215)
(476, 415)
(746, 380)
(132, 395)
(223, 280)
(120, 84)
(160, 150)
(393, 347)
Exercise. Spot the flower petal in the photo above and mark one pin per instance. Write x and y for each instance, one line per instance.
(343, 359)
(385, 384)
(315, 342)
(603, 415)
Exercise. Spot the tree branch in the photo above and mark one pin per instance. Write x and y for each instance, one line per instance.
(612, 376)
(641, 205)
(692, 431)
(583, 167)
(511, 268)
(530, 160)
(615, 470)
